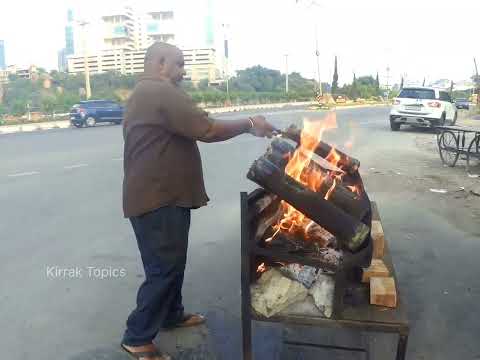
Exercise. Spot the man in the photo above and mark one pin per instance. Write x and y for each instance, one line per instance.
(163, 181)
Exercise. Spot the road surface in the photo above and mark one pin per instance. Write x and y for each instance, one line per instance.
(70, 267)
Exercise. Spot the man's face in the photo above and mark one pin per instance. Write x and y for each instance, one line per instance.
(173, 67)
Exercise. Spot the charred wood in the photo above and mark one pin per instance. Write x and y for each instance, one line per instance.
(350, 232)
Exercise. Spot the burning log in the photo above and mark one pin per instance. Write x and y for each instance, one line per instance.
(346, 163)
(350, 232)
(279, 153)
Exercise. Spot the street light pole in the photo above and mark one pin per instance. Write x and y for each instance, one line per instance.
(477, 80)
(88, 91)
(286, 73)
(226, 75)
(317, 53)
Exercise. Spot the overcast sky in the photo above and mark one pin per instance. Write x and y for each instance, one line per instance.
(418, 38)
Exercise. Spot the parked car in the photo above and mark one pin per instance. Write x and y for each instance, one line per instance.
(90, 112)
(462, 104)
(422, 106)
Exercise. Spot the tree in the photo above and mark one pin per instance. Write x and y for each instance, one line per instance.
(353, 93)
(377, 84)
(335, 79)
(203, 84)
(401, 84)
(49, 104)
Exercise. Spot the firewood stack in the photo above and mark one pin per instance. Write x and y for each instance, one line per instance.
(317, 220)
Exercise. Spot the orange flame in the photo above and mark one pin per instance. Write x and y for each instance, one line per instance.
(294, 221)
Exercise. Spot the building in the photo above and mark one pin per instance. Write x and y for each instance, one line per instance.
(127, 29)
(199, 63)
(30, 72)
(4, 76)
(119, 29)
(118, 41)
(62, 60)
(2, 55)
(70, 34)
(155, 26)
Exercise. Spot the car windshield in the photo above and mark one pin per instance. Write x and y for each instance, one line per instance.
(461, 100)
(424, 94)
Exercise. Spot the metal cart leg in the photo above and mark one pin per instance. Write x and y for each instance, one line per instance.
(402, 347)
(245, 280)
(247, 337)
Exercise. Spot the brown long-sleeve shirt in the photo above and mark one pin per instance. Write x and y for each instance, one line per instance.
(162, 163)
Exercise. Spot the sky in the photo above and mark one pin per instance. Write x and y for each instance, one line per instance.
(414, 38)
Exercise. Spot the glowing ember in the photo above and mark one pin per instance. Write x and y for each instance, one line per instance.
(261, 268)
(354, 189)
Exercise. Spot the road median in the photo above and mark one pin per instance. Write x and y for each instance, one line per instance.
(63, 124)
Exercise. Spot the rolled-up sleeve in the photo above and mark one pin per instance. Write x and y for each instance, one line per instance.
(182, 116)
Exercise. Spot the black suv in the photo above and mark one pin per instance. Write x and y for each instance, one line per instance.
(90, 112)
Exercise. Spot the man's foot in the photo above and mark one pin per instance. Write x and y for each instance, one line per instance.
(189, 320)
(145, 352)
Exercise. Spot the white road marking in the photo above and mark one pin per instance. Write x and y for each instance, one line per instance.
(75, 166)
(118, 159)
(24, 174)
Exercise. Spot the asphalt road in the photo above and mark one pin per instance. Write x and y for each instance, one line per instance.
(60, 196)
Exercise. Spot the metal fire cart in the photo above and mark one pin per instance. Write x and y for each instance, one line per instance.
(361, 317)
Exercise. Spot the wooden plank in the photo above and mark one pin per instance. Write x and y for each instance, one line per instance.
(378, 238)
(377, 269)
(383, 291)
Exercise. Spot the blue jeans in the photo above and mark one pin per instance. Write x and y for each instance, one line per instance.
(162, 237)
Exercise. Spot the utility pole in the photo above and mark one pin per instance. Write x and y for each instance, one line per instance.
(286, 73)
(477, 80)
(388, 80)
(317, 53)
(88, 91)
(225, 44)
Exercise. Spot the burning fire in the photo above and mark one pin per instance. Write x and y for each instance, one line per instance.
(293, 221)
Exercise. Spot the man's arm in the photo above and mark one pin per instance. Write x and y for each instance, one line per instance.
(222, 130)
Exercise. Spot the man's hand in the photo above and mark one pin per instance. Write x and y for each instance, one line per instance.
(261, 127)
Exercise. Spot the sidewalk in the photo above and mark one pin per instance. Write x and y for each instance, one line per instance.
(63, 124)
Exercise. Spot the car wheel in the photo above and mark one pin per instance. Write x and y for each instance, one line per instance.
(394, 126)
(443, 120)
(454, 120)
(90, 121)
(117, 122)
(78, 125)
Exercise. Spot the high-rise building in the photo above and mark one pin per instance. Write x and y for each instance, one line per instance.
(119, 29)
(69, 34)
(2, 55)
(128, 29)
(209, 25)
(62, 60)
(155, 26)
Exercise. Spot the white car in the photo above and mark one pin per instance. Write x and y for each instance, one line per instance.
(422, 106)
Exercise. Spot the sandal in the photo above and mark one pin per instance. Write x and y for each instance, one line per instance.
(145, 354)
(189, 320)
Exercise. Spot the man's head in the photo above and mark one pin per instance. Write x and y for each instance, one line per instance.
(165, 61)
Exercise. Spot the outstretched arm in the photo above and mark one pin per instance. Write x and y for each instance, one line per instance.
(222, 130)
